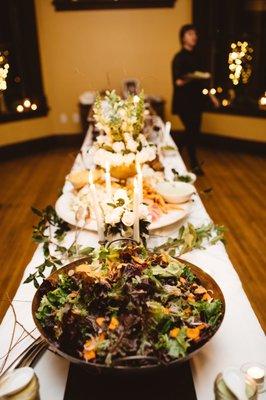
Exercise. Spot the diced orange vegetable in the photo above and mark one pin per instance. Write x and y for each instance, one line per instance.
(174, 332)
(191, 298)
(166, 311)
(182, 280)
(206, 297)
(202, 326)
(89, 355)
(113, 324)
(100, 321)
(193, 333)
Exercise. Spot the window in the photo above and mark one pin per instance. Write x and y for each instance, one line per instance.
(233, 42)
(21, 88)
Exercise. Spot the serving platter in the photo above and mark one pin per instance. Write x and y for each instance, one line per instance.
(65, 211)
(128, 364)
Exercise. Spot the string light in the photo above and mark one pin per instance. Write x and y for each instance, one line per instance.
(4, 68)
(20, 108)
(262, 102)
(27, 103)
(219, 89)
(212, 91)
(225, 102)
(34, 107)
(238, 60)
(205, 91)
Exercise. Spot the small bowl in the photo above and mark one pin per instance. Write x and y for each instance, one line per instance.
(175, 192)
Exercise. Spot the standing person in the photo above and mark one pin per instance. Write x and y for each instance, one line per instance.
(188, 99)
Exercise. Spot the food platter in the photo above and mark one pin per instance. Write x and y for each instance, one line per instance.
(65, 211)
(133, 363)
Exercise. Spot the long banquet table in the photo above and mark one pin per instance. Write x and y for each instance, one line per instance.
(239, 340)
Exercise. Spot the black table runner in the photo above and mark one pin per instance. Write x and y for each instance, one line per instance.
(174, 383)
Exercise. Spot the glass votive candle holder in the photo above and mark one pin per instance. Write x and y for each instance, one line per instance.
(23, 389)
(222, 392)
(257, 372)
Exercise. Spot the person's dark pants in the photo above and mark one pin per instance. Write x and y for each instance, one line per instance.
(192, 122)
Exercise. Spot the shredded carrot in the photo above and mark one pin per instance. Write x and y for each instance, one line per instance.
(113, 324)
(174, 332)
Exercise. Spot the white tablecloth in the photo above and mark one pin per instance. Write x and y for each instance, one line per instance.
(240, 338)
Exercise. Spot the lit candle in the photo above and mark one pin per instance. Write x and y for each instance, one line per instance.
(96, 208)
(140, 181)
(257, 374)
(108, 181)
(167, 129)
(136, 203)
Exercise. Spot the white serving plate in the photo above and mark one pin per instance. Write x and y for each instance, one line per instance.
(64, 211)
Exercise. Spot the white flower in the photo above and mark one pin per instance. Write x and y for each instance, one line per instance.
(147, 153)
(114, 216)
(121, 194)
(128, 218)
(132, 145)
(136, 99)
(128, 158)
(106, 208)
(106, 108)
(118, 147)
(127, 136)
(122, 112)
(143, 211)
(142, 139)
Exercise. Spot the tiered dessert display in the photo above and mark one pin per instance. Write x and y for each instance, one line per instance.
(122, 143)
(126, 169)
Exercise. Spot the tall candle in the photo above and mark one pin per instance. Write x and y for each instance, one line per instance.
(136, 202)
(108, 184)
(167, 129)
(256, 373)
(140, 181)
(96, 208)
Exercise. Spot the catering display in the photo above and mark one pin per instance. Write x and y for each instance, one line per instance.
(132, 304)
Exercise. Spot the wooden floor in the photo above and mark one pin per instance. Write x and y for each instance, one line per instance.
(237, 201)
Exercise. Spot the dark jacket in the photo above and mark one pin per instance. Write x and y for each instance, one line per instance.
(189, 96)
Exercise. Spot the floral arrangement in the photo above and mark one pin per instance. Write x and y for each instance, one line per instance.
(121, 122)
(116, 116)
(119, 216)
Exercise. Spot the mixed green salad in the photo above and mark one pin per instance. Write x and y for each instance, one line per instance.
(128, 301)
